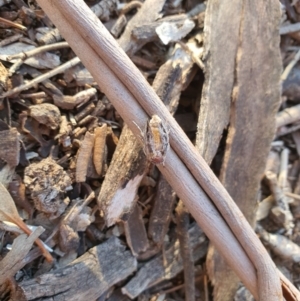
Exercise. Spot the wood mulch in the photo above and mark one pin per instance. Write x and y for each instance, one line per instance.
(86, 213)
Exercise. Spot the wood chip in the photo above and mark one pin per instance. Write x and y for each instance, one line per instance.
(86, 278)
(135, 232)
(156, 270)
(10, 146)
(84, 155)
(161, 211)
(100, 148)
(13, 261)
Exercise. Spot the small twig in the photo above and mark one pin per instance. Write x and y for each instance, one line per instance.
(12, 24)
(287, 130)
(62, 68)
(16, 65)
(10, 39)
(130, 6)
(25, 55)
(34, 95)
(290, 66)
(287, 116)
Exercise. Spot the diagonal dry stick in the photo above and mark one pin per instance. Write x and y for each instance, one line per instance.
(186, 186)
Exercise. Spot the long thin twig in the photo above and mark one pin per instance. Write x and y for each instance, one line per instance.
(175, 171)
(35, 51)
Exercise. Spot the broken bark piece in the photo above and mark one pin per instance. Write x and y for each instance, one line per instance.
(161, 211)
(47, 114)
(68, 102)
(135, 232)
(156, 271)
(216, 92)
(68, 239)
(10, 146)
(86, 278)
(91, 171)
(84, 112)
(13, 261)
(84, 155)
(31, 126)
(183, 222)
(230, 104)
(129, 44)
(100, 148)
(122, 181)
(78, 218)
(174, 31)
(65, 102)
(47, 183)
(164, 29)
(64, 132)
(50, 37)
(119, 26)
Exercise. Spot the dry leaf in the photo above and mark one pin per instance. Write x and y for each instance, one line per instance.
(9, 212)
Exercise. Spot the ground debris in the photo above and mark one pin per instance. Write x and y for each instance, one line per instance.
(69, 163)
(88, 277)
(47, 183)
(46, 114)
(165, 267)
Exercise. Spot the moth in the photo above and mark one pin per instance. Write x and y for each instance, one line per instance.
(156, 140)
